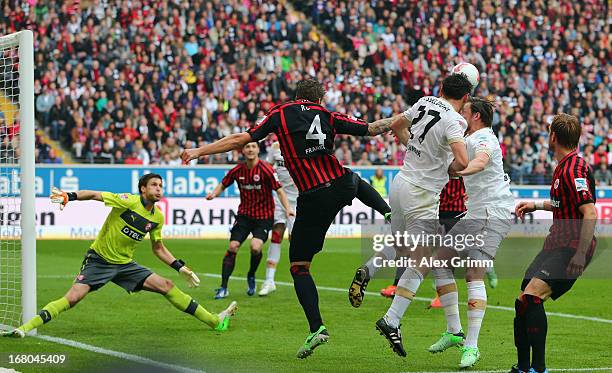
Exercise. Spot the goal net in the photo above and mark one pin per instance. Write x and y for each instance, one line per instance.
(17, 212)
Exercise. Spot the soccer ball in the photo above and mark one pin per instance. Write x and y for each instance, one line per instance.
(469, 71)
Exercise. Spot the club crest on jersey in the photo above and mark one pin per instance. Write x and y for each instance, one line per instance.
(581, 184)
(556, 183)
(256, 177)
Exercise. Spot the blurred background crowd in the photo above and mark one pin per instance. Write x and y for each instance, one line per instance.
(135, 82)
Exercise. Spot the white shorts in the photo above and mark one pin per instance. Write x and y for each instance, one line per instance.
(414, 210)
(489, 226)
(280, 217)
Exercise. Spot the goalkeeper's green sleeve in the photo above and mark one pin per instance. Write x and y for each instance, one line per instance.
(50, 311)
(187, 304)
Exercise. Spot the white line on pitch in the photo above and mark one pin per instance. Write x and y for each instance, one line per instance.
(329, 288)
(117, 354)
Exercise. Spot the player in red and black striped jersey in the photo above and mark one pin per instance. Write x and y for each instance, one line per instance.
(568, 248)
(452, 203)
(306, 131)
(256, 180)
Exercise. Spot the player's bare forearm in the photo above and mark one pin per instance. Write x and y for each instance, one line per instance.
(86, 195)
(461, 158)
(382, 125)
(216, 192)
(283, 199)
(589, 215)
(476, 165)
(231, 142)
(160, 251)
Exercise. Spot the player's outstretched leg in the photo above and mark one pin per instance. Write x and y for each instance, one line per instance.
(371, 198)
(184, 302)
(51, 310)
(364, 273)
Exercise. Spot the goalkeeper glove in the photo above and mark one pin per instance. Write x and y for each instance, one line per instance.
(192, 280)
(61, 197)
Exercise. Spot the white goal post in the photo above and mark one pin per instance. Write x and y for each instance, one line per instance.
(17, 198)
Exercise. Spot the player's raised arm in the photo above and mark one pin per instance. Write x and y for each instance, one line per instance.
(231, 142)
(384, 125)
(401, 128)
(62, 198)
(348, 125)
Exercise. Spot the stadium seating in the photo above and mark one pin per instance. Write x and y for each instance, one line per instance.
(121, 85)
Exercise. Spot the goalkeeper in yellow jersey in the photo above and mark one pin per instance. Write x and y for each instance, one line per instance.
(110, 257)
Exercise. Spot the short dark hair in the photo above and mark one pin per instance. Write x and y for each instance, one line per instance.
(456, 86)
(484, 108)
(144, 180)
(309, 89)
(567, 129)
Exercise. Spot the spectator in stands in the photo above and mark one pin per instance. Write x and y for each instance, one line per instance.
(153, 73)
(602, 175)
(379, 182)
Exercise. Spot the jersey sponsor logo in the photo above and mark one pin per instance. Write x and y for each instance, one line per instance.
(250, 186)
(556, 183)
(137, 221)
(137, 236)
(581, 184)
(256, 177)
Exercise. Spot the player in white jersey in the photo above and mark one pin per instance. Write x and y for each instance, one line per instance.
(489, 207)
(432, 131)
(281, 222)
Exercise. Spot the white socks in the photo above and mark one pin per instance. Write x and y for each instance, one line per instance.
(274, 251)
(477, 303)
(449, 298)
(388, 252)
(406, 289)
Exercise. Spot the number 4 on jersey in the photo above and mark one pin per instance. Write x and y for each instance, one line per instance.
(315, 132)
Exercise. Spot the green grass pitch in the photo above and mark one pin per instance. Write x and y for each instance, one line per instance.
(266, 332)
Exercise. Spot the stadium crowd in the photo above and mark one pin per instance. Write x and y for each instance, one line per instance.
(136, 81)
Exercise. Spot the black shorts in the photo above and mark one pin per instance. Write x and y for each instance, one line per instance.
(550, 266)
(316, 210)
(97, 272)
(243, 226)
(448, 219)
